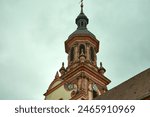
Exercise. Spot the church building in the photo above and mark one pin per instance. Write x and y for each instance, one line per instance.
(82, 79)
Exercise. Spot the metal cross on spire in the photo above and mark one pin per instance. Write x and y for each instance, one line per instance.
(81, 6)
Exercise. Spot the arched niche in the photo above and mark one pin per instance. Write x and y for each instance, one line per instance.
(82, 48)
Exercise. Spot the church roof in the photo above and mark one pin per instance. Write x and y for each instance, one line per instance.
(138, 87)
(82, 32)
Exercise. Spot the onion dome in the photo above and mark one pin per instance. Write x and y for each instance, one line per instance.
(82, 22)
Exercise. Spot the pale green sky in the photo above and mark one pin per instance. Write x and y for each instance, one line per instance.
(32, 35)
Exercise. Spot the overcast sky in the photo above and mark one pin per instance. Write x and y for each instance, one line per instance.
(32, 35)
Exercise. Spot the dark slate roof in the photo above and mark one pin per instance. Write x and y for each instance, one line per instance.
(82, 22)
(82, 32)
(82, 16)
(138, 87)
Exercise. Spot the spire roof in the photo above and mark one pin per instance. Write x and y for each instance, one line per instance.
(81, 6)
(82, 19)
(82, 22)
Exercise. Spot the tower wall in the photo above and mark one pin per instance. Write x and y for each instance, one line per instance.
(82, 78)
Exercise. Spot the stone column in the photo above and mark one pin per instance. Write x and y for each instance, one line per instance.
(76, 52)
(79, 83)
(87, 51)
(86, 87)
(95, 57)
(90, 91)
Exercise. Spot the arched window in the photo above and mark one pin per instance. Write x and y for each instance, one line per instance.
(92, 54)
(82, 48)
(72, 54)
(82, 23)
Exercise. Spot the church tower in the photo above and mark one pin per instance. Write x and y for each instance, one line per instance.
(82, 79)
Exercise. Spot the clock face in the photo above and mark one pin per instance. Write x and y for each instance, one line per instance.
(69, 86)
(95, 88)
